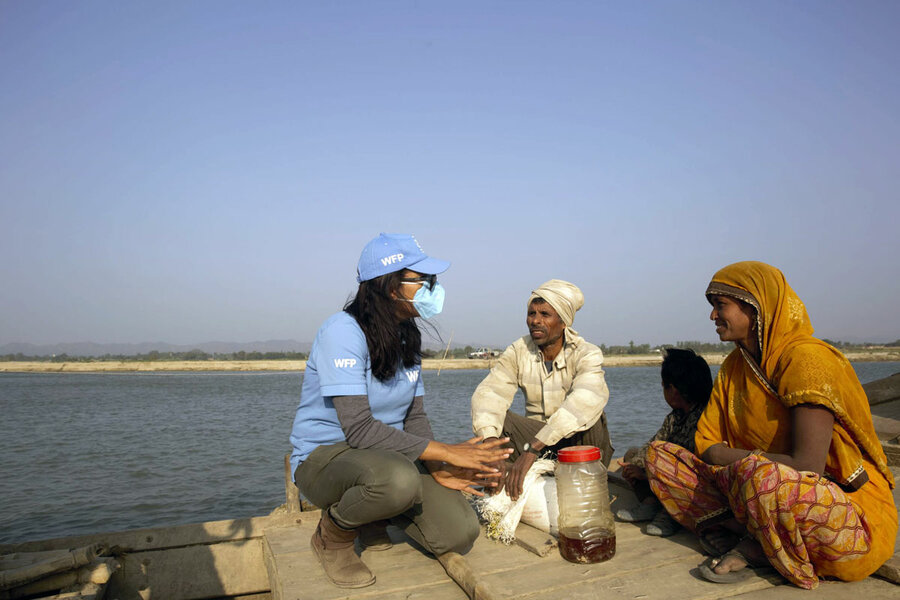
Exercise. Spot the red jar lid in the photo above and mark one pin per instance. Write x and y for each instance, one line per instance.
(579, 454)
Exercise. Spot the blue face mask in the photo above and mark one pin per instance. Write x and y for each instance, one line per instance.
(428, 302)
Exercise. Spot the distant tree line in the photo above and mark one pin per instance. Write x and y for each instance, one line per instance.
(704, 347)
(190, 355)
(863, 346)
(631, 348)
(699, 347)
(198, 355)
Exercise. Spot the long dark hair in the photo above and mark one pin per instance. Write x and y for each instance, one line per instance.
(390, 343)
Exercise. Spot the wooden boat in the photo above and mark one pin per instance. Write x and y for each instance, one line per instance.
(268, 557)
(884, 399)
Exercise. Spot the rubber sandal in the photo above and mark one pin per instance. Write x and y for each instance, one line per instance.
(707, 572)
(750, 570)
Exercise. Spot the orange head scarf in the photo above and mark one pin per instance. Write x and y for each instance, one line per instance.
(796, 368)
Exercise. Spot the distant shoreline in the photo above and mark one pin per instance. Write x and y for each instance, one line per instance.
(430, 364)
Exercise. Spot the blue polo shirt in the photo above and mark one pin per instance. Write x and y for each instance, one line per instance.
(339, 365)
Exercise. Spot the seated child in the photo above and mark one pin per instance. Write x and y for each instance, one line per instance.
(687, 383)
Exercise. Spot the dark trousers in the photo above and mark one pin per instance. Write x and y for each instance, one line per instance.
(521, 429)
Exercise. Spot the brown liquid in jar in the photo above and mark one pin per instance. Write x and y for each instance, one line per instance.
(598, 547)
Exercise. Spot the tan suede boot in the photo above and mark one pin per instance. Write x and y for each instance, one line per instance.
(334, 547)
(374, 536)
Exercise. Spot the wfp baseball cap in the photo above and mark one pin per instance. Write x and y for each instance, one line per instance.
(391, 252)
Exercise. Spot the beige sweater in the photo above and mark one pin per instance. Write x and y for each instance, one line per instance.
(569, 399)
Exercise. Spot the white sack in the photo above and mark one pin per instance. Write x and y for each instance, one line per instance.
(541, 509)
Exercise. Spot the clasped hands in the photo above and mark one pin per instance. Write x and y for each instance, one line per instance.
(480, 462)
(468, 465)
(512, 476)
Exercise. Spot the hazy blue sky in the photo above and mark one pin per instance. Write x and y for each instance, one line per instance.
(197, 171)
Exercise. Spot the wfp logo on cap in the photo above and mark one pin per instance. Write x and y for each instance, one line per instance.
(392, 259)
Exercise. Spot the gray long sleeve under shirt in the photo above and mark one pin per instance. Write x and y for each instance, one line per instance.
(363, 430)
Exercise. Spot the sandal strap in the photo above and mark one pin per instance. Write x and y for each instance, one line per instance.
(726, 542)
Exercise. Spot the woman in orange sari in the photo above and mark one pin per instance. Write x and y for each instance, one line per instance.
(788, 470)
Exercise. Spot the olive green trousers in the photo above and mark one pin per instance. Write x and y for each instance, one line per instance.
(362, 486)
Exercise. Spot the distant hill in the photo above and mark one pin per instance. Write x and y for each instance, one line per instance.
(95, 349)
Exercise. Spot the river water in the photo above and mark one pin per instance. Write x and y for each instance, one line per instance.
(86, 453)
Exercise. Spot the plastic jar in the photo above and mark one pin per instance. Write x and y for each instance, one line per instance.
(587, 532)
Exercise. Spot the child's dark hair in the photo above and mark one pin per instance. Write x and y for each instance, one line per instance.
(689, 373)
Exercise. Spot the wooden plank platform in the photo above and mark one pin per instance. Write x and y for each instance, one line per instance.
(884, 400)
(644, 568)
(185, 562)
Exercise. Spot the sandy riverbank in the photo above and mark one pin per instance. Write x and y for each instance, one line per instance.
(636, 360)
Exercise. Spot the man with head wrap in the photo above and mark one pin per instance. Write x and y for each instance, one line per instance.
(561, 376)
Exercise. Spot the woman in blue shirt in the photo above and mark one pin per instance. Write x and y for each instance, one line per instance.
(363, 447)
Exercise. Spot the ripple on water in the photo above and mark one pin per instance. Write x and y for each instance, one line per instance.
(142, 474)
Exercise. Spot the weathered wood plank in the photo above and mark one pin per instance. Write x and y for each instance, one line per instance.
(460, 571)
(88, 591)
(300, 577)
(97, 572)
(275, 587)
(636, 558)
(883, 390)
(890, 570)
(869, 588)
(649, 580)
(534, 540)
(403, 571)
(892, 453)
(158, 538)
(291, 493)
(47, 563)
(191, 572)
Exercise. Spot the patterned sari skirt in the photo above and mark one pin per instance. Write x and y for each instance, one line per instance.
(807, 526)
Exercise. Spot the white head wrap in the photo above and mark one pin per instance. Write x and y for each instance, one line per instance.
(563, 296)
